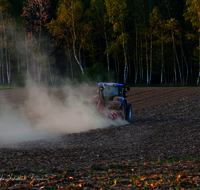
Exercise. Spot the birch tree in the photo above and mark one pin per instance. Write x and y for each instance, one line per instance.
(99, 12)
(69, 26)
(193, 15)
(158, 24)
(6, 39)
(172, 25)
(35, 13)
(116, 10)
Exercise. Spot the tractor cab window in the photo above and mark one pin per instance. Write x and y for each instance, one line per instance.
(111, 91)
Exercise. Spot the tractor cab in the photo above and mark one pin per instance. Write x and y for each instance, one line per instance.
(112, 96)
(111, 90)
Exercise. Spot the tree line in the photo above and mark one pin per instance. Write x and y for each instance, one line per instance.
(127, 41)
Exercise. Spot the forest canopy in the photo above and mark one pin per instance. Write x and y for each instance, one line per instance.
(154, 42)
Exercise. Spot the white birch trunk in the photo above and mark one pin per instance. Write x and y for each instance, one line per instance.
(2, 44)
(136, 56)
(39, 73)
(179, 68)
(126, 64)
(141, 63)
(136, 70)
(9, 70)
(162, 57)
(151, 57)
(1, 55)
(115, 66)
(80, 55)
(18, 64)
(107, 54)
(74, 45)
(74, 50)
(184, 59)
(27, 62)
(176, 55)
(118, 70)
(175, 77)
(129, 67)
(147, 61)
(6, 53)
(34, 68)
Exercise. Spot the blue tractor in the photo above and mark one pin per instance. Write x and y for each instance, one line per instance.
(112, 96)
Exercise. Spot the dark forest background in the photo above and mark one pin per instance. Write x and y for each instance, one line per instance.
(137, 42)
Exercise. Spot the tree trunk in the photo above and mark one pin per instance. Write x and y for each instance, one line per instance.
(51, 74)
(147, 61)
(40, 24)
(182, 67)
(179, 68)
(136, 56)
(115, 66)
(141, 63)
(39, 73)
(176, 56)
(125, 61)
(9, 70)
(191, 70)
(151, 57)
(107, 54)
(18, 63)
(6, 53)
(1, 63)
(80, 55)
(175, 77)
(34, 68)
(2, 44)
(184, 59)
(118, 70)
(162, 52)
(199, 58)
(74, 50)
(27, 62)
(129, 68)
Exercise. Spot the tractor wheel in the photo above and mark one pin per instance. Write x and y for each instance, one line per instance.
(123, 108)
(129, 111)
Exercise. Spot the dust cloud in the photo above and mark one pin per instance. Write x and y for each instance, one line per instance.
(14, 127)
(44, 116)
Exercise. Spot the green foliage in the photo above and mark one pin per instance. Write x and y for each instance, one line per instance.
(18, 80)
(192, 13)
(97, 73)
(98, 34)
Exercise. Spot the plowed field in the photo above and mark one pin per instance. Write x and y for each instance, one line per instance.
(140, 97)
(146, 97)
(165, 126)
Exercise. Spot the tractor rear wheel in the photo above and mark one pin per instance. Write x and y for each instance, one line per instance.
(129, 111)
(124, 108)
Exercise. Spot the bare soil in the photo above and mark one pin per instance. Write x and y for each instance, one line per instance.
(165, 125)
